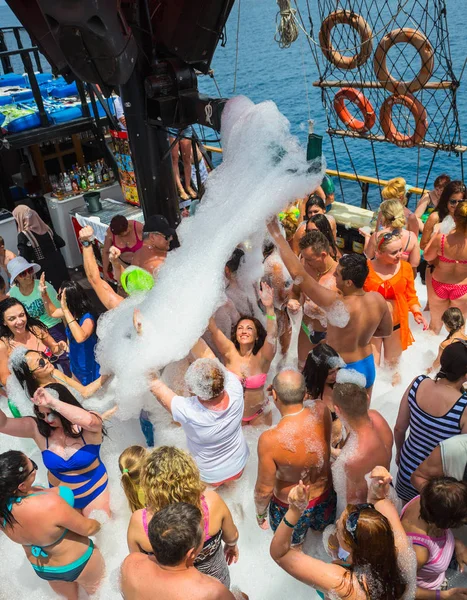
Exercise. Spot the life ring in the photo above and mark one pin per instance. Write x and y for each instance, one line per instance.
(363, 104)
(417, 39)
(346, 17)
(390, 130)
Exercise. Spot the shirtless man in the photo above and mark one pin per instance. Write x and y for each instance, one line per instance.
(298, 448)
(176, 535)
(354, 316)
(157, 235)
(317, 262)
(368, 443)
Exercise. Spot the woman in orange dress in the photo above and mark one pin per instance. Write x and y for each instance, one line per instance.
(393, 279)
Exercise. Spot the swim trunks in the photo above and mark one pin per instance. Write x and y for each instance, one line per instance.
(320, 513)
(365, 366)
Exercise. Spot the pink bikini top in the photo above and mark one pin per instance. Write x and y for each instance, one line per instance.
(254, 382)
(443, 258)
(134, 248)
(204, 506)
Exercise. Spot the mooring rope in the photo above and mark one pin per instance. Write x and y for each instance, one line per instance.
(286, 26)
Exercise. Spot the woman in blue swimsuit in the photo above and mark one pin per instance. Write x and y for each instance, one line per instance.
(53, 534)
(69, 438)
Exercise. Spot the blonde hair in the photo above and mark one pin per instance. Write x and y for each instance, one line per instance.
(395, 189)
(382, 240)
(131, 463)
(170, 475)
(393, 213)
(460, 216)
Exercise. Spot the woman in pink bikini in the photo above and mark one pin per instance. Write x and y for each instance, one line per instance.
(126, 236)
(449, 254)
(170, 475)
(248, 355)
(427, 520)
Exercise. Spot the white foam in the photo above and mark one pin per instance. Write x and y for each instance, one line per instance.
(350, 376)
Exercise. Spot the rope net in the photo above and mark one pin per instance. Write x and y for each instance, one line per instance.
(400, 50)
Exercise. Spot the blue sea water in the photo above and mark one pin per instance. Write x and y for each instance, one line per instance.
(266, 72)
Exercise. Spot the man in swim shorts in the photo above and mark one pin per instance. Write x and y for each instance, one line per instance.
(368, 443)
(297, 448)
(318, 263)
(354, 316)
(176, 535)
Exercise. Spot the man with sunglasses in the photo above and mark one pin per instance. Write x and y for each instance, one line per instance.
(157, 235)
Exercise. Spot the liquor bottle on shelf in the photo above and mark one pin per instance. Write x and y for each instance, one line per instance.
(61, 182)
(111, 174)
(90, 176)
(83, 182)
(67, 183)
(105, 173)
(97, 173)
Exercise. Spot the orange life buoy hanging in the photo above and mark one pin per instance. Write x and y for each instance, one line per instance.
(357, 22)
(417, 39)
(364, 105)
(390, 130)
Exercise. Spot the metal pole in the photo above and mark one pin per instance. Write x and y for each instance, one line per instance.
(154, 175)
(5, 60)
(365, 190)
(26, 58)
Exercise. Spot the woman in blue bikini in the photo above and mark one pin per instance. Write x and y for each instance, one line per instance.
(53, 534)
(69, 438)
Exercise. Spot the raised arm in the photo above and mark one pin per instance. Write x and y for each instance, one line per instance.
(24, 427)
(104, 291)
(105, 253)
(79, 332)
(422, 205)
(223, 344)
(320, 575)
(266, 296)
(85, 390)
(117, 265)
(322, 296)
(50, 308)
(202, 350)
(88, 421)
(162, 393)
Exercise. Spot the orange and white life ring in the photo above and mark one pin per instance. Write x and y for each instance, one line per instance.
(390, 130)
(357, 22)
(417, 39)
(364, 105)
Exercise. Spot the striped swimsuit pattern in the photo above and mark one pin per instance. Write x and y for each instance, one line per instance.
(425, 433)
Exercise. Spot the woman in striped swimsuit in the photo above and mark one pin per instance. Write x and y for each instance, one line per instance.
(170, 475)
(435, 411)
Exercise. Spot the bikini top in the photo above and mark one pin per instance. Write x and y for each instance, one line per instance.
(445, 259)
(254, 382)
(67, 495)
(404, 251)
(63, 469)
(134, 248)
(204, 506)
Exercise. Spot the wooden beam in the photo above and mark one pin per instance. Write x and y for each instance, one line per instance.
(371, 180)
(431, 85)
(381, 138)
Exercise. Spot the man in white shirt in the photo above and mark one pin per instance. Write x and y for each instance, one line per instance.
(211, 419)
(119, 112)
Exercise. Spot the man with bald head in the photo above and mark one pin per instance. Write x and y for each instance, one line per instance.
(297, 448)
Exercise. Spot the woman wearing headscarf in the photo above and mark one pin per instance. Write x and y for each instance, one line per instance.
(39, 244)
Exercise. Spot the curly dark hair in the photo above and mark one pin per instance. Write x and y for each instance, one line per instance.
(31, 324)
(261, 332)
(453, 187)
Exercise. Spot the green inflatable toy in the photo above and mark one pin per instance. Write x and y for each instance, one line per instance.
(136, 279)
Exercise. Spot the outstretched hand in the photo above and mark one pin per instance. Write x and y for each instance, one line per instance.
(42, 398)
(273, 227)
(63, 301)
(114, 253)
(380, 478)
(86, 234)
(298, 497)
(42, 284)
(266, 294)
(420, 319)
(137, 321)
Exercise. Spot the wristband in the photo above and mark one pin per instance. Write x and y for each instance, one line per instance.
(438, 595)
(272, 317)
(262, 517)
(231, 545)
(284, 520)
(73, 321)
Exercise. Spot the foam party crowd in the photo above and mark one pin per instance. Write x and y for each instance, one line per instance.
(255, 415)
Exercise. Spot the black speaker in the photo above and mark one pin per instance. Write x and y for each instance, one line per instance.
(189, 29)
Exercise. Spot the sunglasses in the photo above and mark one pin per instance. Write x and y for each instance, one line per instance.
(352, 519)
(387, 236)
(34, 468)
(453, 202)
(29, 271)
(166, 237)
